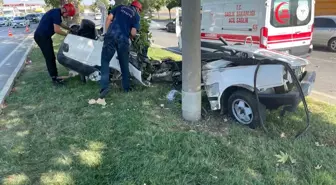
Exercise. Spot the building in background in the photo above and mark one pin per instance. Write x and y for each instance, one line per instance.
(325, 7)
(21, 8)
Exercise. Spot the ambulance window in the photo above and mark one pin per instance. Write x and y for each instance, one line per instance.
(286, 13)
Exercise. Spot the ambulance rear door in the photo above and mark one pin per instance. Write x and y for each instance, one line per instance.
(211, 25)
(289, 26)
(234, 20)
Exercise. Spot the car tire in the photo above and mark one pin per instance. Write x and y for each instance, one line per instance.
(332, 45)
(243, 102)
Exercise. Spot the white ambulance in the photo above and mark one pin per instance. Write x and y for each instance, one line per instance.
(282, 25)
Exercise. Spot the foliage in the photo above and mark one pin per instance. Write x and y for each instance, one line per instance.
(157, 4)
(170, 4)
(94, 6)
(53, 3)
(145, 35)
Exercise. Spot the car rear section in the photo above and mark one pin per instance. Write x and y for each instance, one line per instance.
(289, 27)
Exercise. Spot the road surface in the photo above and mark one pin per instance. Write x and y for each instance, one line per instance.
(12, 52)
(322, 61)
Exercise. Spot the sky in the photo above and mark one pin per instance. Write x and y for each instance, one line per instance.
(19, 1)
(86, 2)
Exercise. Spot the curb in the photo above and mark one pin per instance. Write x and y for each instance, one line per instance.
(10, 82)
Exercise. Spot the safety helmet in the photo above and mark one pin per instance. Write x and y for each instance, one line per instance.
(137, 4)
(70, 9)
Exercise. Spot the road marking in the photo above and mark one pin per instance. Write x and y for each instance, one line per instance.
(11, 53)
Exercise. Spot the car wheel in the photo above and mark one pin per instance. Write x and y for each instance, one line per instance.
(332, 45)
(242, 106)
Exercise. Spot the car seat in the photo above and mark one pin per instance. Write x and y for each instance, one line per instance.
(87, 29)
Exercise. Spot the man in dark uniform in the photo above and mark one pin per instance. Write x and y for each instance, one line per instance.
(121, 24)
(50, 24)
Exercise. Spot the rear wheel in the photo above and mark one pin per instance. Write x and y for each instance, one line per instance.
(332, 45)
(242, 106)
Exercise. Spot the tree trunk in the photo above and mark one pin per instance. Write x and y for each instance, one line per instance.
(158, 12)
(169, 14)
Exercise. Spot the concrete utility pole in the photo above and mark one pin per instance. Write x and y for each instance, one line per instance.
(191, 54)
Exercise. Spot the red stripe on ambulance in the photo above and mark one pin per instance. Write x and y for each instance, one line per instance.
(265, 38)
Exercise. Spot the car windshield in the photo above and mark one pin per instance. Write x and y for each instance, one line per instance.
(287, 13)
(19, 18)
(1, 19)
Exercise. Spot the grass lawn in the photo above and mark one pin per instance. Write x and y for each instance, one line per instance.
(53, 136)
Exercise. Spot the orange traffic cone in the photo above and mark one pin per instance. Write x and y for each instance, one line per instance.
(27, 29)
(9, 32)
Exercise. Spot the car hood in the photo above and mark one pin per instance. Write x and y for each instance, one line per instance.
(268, 54)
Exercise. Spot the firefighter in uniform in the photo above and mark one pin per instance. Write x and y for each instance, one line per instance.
(122, 23)
(50, 24)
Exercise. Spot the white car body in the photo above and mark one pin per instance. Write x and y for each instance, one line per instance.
(263, 20)
(98, 16)
(88, 52)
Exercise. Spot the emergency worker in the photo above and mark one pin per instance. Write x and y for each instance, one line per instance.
(122, 24)
(50, 24)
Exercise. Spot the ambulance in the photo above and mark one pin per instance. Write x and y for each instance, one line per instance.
(279, 25)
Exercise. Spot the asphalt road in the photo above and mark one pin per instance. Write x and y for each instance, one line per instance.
(322, 61)
(12, 51)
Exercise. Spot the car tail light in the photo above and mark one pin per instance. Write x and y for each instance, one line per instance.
(263, 37)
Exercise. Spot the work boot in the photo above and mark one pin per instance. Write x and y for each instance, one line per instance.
(103, 93)
(58, 81)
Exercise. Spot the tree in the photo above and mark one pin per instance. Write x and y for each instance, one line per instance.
(58, 3)
(172, 4)
(157, 4)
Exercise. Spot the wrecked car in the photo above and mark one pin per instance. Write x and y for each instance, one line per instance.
(231, 77)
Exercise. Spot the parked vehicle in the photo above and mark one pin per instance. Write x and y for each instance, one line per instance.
(9, 21)
(39, 16)
(3, 21)
(20, 22)
(33, 18)
(325, 32)
(171, 27)
(281, 25)
(98, 16)
(227, 75)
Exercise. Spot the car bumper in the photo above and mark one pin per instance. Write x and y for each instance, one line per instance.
(292, 98)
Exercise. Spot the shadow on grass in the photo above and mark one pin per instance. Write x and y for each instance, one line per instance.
(53, 136)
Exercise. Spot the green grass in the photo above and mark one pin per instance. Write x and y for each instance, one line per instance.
(52, 136)
(157, 54)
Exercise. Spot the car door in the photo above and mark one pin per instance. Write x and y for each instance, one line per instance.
(323, 30)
